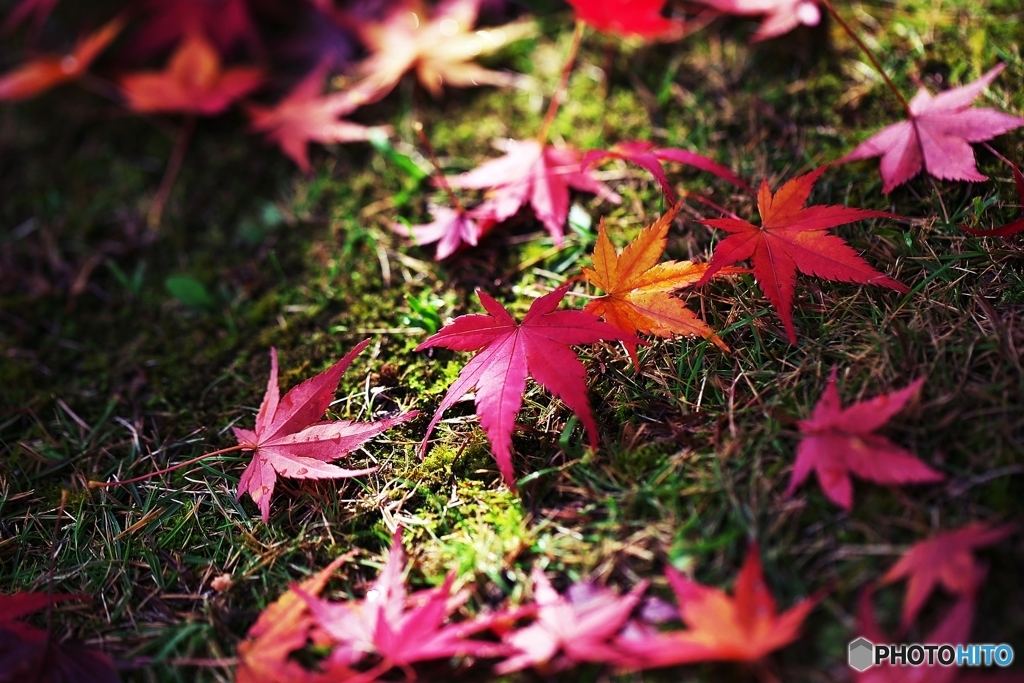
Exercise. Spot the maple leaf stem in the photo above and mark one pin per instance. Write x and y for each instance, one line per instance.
(108, 484)
(156, 211)
(441, 180)
(563, 82)
(870, 56)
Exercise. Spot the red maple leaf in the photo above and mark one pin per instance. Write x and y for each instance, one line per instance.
(947, 559)
(41, 74)
(18, 605)
(192, 83)
(438, 44)
(790, 238)
(305, 116)
(628, 18)
(782, 16)
(398, 628)
(937, 135)
(290, 440)
(538, 174)
(1013, 227)
(954, 629)
(650, 158)
(450, 229)
(226, 23)
(509, 351)
(744, 627)
(577, 627)
(39, 10)
(838, 442)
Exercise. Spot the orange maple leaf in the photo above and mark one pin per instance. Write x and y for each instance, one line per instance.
(193, 82)
(744, 627)
(282, 628)
(639, 289)
(43, 73)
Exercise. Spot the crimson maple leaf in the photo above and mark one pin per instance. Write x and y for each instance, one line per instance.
(744, 627)
(792, 237)
(639, 288)
(305, 116)
(937, 135)
(954, 629)
(192, 83)
(838, 442)
(226, 23)
(782, 15)
(627, 17)
(1013, 227)
(39, 10)
(290, 440)
(577, 627)
(18, 605)
(401, 629)
(538, 174)
(650, 158)
(281, 629)
(439, 45)
(450, 229)
(944, 559)
(43, 73)
(510, 351)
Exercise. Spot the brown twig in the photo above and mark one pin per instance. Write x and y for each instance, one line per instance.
(563, 82)
(156, 210)
(108, 484)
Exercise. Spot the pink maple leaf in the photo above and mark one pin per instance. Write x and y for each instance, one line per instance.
(938, 135)
(627, 17)
(838, 442)
(540, 175)
(578, 627)
(946, 559)
(305, 116)
(290, 440)
(450, 229)
(226, 23)
(647, 156)
(510, 351)
(398, 628)
(782, 16)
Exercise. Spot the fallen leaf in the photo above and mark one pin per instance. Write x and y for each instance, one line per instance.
(305, 116)
(509, 351)
(192, 83)
(946, 559)
(538, 174)
(41, 74)
(398, 628)
(578, 627)
(838, 442)
(744, 627)
(639, 288)
(450, 229)
(792, 237)
(39, 10)
(937, 136)
(647, 156)
(1011, 228)
(281, 629)
(226, 23)
(628, 18)
(290, 440)
(17, 605)
(439, 45)
(782, 16)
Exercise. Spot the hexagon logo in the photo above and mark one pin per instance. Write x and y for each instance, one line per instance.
(862, 654)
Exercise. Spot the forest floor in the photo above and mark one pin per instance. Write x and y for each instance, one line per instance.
(123, 350)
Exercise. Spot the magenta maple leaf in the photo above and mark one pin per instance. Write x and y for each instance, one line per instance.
(947, 559)
(509, 351)
(226, 23)
(399, 628)
(290, 440)
(577, 627)
(782, 16)
(938, 135)
(628, 17)
(450, 229)
(536, 174)
(838, 442)
(648, 157)
(305, 116)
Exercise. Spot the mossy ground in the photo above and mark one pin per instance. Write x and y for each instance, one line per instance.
(103, 373)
